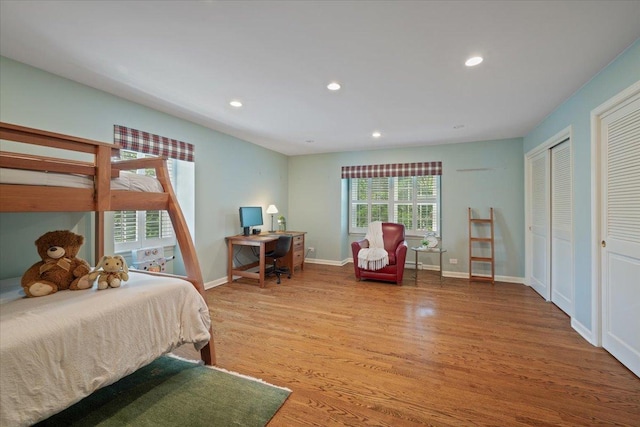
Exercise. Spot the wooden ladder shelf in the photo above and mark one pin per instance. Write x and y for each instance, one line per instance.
(475, 226)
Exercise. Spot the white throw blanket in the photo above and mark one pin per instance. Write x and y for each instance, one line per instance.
(374, 257)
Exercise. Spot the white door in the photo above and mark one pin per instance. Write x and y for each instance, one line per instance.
(539, 228)
(620, 228)
(561, 228)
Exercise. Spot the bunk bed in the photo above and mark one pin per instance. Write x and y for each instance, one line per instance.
(149, 316)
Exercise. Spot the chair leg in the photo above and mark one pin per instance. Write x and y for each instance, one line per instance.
(281, 270)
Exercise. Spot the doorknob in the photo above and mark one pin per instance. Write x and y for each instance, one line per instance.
(604, 244)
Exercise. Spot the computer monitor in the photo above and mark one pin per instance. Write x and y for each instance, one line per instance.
(250, 216)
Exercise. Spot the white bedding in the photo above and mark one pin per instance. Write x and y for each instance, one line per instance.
(57, 349)
(127, 180)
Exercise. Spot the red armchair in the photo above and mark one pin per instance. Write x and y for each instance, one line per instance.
(396, 247)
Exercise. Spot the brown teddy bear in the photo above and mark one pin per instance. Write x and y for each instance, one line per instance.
(59, 268)
(114, 272)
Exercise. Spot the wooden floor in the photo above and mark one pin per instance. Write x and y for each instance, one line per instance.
(426, 353)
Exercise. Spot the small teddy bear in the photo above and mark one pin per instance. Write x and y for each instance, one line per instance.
(58, 268)
(114, 272)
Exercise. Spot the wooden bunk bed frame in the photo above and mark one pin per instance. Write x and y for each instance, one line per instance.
(30, 198)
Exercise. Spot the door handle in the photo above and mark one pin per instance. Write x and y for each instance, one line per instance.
(604, 244)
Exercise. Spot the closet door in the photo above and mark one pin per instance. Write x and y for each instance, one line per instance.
(561, 227)
(620, 252)
(539, 214)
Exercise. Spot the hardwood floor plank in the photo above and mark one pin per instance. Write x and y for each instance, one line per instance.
(426, 353)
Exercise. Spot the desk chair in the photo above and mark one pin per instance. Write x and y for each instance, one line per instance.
(283, 245)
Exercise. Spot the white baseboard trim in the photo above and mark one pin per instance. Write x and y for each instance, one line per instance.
(222, 281)
(327, 262)
(410, 266)
(216, 283)
(463, 275)
(583, 331)
(455, 274)
(510, 279)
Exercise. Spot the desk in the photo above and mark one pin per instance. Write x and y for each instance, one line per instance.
(294, 258)
(431, 250)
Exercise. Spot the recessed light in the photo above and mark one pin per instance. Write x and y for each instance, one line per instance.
(334, 86)
(473, 61)
(236, 104)
(376, 134)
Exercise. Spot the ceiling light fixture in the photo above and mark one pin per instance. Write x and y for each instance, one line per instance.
(334, 86)
(236, 104)
(376, 134)
(472, 62)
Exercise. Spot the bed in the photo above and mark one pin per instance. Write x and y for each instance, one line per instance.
(80, 341)
(168, 310)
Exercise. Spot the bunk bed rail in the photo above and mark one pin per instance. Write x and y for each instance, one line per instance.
(100, 169)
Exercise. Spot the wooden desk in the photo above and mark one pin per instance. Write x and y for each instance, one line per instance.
(294, 258)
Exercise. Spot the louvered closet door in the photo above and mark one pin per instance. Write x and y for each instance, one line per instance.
(539, 214)
(561, 226)
(620, 256)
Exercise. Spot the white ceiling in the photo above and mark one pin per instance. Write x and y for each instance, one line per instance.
(400, 63)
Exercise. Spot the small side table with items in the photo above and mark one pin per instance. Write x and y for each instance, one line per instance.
(434, 250)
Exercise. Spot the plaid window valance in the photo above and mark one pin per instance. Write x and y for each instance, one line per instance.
(145, 142)
(393, 169)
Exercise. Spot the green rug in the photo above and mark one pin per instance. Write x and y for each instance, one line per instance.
(174, 392)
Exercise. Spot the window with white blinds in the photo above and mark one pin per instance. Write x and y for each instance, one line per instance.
(141, 229)
(410, 200)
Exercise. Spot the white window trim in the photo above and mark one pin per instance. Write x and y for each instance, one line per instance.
(391, 205)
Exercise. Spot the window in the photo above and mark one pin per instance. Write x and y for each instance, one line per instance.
(412, 201)
(406, 193)
(140, 229)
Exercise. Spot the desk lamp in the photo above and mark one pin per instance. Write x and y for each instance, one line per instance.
(272, 210)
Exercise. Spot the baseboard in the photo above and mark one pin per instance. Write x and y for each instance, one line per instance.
(505, 279)
(327, 262)
(409, 266)
(583, 331)
(454, 274)
(510, 279)
(223, 280)
(216, 282)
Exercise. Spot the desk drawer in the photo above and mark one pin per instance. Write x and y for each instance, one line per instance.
(297, 251)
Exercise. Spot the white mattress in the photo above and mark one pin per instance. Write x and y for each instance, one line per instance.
(57, 349)
(127, 180)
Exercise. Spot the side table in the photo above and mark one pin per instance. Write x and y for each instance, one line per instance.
(419, 249)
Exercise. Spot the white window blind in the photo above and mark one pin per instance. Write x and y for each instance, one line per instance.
(140, 229)
(410, 200)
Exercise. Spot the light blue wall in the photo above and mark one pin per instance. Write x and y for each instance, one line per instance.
(308, 189)
(576, 111)
(317, 198)
(229, 172)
